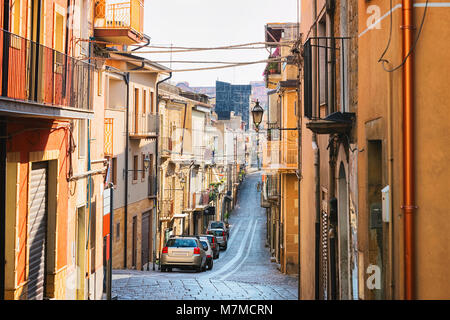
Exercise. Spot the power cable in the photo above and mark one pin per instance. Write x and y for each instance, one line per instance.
(240, 64)
(383, 61)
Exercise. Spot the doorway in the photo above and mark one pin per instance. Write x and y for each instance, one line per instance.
(343, 235)
(81, 252)
(37, 230)
(146, 239)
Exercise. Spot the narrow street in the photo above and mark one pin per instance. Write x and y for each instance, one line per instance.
(243, 271)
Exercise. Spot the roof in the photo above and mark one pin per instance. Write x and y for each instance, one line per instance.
(140, 60)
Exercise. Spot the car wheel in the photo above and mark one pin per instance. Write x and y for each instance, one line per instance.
(204, 268)
(210, 265)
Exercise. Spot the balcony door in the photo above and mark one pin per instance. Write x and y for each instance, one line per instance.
(136, 110)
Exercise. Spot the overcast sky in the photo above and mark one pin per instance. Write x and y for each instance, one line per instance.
(206, 23)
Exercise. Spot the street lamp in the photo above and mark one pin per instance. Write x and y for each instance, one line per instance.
(257, 115)
(146, 165)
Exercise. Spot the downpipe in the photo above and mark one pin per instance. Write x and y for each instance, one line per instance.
(158, 225)
(408, 146)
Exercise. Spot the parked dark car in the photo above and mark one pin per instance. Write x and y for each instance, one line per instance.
(214, 244)
(221, 237)
(219, 225)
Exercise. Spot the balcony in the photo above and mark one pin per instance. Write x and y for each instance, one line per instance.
(202, 154)
(272, 74)
(271, 156)
(328, 111)
(167, 209)
(272, 188)
(280, 155)
(145, 126)
(119, 22)
(200, 200)
(40, 81)
(166, 147)
(289, 155)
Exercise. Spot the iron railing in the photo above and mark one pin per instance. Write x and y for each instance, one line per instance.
(330, 70)
(126, 14)
(146, 124)
(200, 199)
(35, 73)
(272, 187)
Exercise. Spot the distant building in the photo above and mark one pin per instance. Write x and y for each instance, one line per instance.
(235, 98)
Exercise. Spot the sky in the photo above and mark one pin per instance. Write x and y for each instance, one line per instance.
(209, 23)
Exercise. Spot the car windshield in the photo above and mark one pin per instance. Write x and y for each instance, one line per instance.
(216, 225)
(181, 243)
(217, 232)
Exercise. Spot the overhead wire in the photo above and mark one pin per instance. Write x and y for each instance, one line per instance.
(229, 47)
(239, 64)
(383, 61)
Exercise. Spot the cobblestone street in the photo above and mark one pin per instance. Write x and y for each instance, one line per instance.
(242, 272)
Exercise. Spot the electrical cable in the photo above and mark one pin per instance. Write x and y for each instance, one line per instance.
(240, 64)
(383, 61)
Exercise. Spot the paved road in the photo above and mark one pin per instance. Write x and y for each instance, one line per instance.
(243, 271)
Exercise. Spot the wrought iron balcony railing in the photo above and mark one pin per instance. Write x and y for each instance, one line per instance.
(166, 146)
(200, 199)
(118, 15)
(35, 73)
(145, 125)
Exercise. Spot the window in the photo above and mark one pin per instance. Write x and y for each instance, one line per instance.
(59, 32)
(117, 231)
(16, 15)
(144, 102)
(135, 167)
(136, 110)
(134, 243)
(143, 166)
(151, 103)
(181, 243)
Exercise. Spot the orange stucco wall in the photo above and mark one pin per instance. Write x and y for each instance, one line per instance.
(431, 227)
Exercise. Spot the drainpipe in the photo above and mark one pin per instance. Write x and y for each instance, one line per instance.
(317, 220)
(3, 150)
(6, 44)
(316, 169)
(3, 133)
(127, 138)
(158, 226)
(390, 182)
(408, 145)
